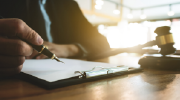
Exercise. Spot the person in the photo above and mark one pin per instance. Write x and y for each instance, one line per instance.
(58, 24)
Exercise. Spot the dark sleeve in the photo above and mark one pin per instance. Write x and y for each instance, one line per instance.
(90, 40)
(26, 10)
(79, 31)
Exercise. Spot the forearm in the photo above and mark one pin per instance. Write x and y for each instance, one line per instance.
(74, 50)
(60, 50)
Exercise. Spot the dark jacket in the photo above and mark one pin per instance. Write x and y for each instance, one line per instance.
(68, 23)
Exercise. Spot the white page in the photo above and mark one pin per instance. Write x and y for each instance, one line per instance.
(51, 70)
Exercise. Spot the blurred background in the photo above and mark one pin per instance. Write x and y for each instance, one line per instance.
(127, 23)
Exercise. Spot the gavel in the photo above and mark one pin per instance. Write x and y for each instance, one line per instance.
(164, 61)
(164, 40)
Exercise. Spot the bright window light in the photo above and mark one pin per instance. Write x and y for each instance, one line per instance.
(98, 7)
(93, 16)
(143, 16)
(116, 12)
(101, 27)
(125, 35)
(129, 16)
(170, 13)
(132, 34)
(99, 2)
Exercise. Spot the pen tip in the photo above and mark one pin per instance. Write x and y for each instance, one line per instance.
(58, 60)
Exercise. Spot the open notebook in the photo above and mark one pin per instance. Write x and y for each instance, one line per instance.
(51, 74)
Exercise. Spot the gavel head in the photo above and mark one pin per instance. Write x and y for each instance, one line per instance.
(165, 40)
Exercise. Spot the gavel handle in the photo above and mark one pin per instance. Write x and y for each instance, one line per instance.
(135, 49)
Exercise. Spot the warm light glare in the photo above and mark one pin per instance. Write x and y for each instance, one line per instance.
(170, 13)
(116, 12)
(143, 16)
(99, 2)
(131, 34)
(147, 24)
(98, 7)
(101, 27)
(129, 16)
(118, 37)
(93, 16)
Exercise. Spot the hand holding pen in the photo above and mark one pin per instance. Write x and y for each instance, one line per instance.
(14, 50)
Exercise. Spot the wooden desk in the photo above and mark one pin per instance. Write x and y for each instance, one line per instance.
(147, 85)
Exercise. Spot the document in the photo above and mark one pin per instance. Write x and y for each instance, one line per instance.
(51, 70)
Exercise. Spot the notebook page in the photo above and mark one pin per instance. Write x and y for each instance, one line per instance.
(51, 70)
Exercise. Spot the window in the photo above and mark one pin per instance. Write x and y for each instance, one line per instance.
(131, 34)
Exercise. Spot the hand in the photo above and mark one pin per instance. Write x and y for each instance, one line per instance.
(12, 49)
(63, 51)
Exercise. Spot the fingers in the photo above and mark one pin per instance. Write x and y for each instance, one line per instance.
(37, 55)
(11, 61)
(14, 47)
(34, 54)
(41, 57)
(16, 27)
(6, 71)
(49, 45)
(14, 50)
(11, 65)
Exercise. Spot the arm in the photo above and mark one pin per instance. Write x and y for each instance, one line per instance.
(61, 50)
(69, 26)
(90, 40)
(73, 35)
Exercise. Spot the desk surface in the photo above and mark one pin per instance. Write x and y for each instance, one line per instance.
(147, 85)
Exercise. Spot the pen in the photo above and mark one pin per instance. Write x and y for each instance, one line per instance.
(41, 49)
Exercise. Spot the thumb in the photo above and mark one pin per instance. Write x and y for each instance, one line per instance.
(17, 27)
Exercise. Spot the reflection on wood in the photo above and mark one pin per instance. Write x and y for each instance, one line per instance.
(150, 84)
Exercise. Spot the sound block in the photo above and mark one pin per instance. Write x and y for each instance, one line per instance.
(157, 61)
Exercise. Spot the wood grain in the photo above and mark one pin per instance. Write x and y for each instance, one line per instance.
(147, 85)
